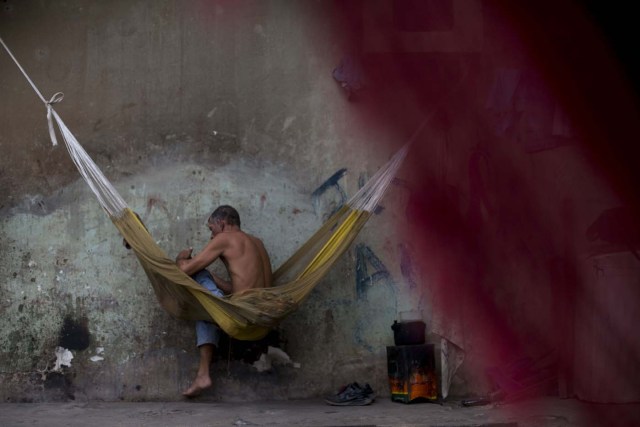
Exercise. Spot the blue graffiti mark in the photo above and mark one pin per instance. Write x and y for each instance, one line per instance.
(364, 280)
(406, 266)
(330, 183)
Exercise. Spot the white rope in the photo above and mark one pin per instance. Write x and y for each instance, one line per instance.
(23, 72)
(57, 97)
(107, 195)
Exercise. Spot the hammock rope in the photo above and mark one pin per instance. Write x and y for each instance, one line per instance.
(250, 314)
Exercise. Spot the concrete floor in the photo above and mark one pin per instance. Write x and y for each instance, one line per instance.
(547, 412)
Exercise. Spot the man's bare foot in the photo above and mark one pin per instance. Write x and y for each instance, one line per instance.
(200, 384)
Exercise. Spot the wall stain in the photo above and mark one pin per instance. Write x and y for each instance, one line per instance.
(74, 334)
(61, 382)
(157, 202)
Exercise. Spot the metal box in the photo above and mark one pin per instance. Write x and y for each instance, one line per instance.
(412, 373)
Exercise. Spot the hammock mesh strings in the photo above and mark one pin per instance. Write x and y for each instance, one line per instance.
(107, 195)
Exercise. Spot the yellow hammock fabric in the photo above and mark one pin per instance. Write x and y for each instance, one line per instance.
(250, 314)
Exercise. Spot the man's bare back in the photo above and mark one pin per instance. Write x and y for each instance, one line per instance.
(244, 256)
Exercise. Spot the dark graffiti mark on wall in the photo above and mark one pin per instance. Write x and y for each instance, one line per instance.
(406, 266)
(350, 75)
(334, 199)
(360, 332)
(365, 331)
(364, 280)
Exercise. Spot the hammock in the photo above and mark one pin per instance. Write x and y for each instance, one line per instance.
(248, 315)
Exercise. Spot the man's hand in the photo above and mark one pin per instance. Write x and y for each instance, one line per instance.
(184, 254)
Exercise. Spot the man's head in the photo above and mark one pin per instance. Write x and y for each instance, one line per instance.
(223, 216)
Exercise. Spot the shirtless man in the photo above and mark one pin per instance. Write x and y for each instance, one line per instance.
(248, 266)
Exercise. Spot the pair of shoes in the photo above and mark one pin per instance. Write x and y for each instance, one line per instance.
(352, 395)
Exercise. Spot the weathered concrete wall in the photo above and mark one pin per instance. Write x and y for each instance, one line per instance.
(184, 106)
(187, 105)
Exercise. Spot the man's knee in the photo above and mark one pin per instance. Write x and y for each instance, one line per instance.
(205, 278)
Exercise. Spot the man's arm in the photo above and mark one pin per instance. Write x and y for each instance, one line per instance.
(210, 253)
(224, 285)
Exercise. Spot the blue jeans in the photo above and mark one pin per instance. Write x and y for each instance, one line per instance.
(207, 332)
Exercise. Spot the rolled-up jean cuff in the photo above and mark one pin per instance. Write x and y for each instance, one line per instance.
(207, 333)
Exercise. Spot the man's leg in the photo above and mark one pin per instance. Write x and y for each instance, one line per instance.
(208, 337)
(206, 349)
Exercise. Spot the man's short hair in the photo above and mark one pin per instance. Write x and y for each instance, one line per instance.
(227, 214)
